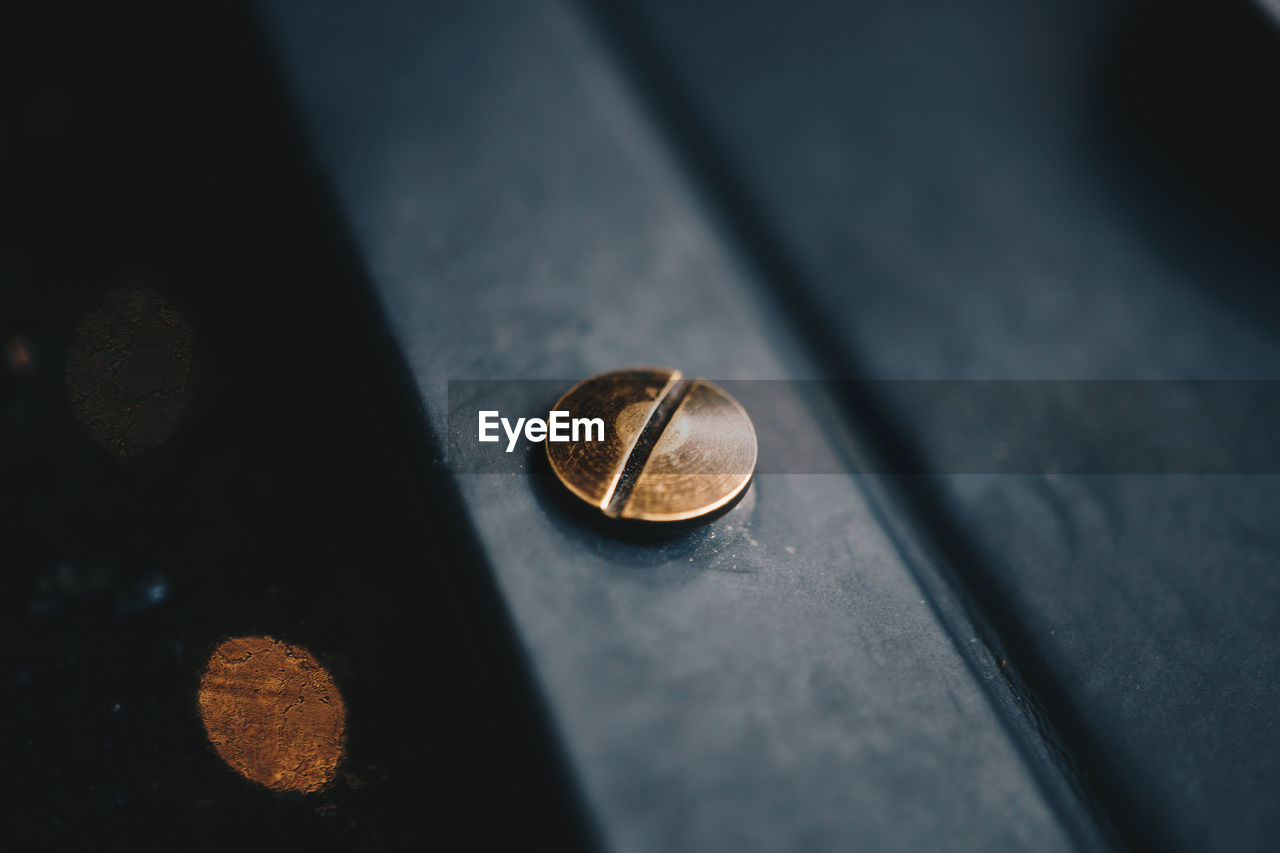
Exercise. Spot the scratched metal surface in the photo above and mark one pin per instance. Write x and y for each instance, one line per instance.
(1046, 191)
(777, 680)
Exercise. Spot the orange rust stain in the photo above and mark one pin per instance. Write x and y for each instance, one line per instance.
(273, 713)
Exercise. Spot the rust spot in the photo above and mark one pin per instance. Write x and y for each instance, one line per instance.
(129, 371)
(18, 355)
(273, 713)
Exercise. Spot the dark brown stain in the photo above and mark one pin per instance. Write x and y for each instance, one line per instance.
(129, 371)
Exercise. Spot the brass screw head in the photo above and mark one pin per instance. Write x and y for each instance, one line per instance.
(674, 449)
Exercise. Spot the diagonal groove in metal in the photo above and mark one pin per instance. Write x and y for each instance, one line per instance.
(673, 395)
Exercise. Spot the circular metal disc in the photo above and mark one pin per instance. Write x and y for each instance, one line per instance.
(674, 449)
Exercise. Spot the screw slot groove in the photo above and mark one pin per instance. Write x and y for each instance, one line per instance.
(640, 451)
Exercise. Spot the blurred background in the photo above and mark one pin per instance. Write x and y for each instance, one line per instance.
(242, 244)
